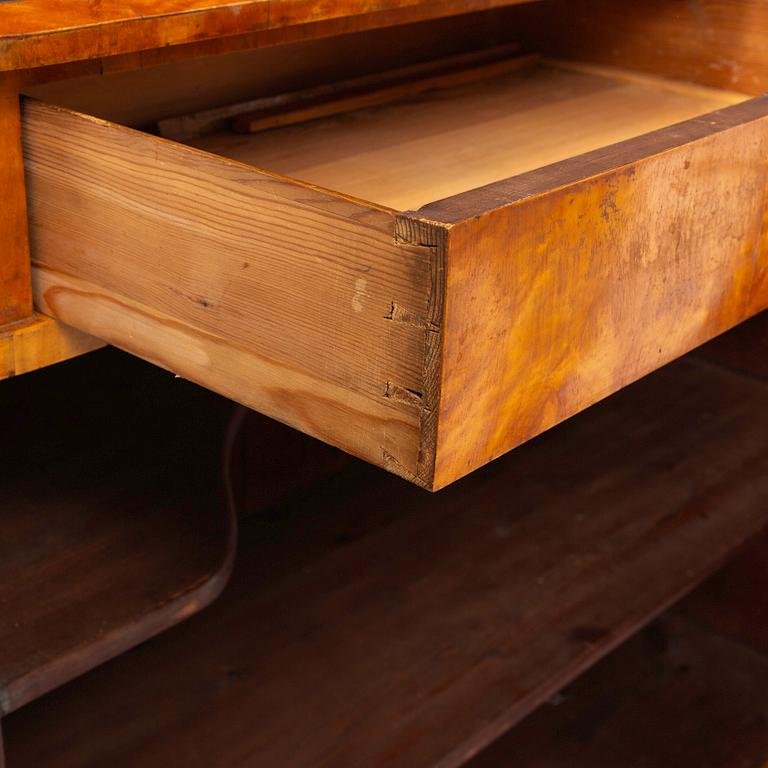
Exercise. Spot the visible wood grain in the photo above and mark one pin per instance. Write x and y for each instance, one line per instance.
(36, 33)
(676, 696)
(183, 127)
(275, 308)
(720, 43)
(115, 524)
(15, 286)
(27, 341)
(566, 283)
(268, 291)
(351, 96)
(415, 152)
(171, 84)
(373, 624)
(39, 342)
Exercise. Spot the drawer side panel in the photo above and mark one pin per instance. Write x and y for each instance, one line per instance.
(273, 293)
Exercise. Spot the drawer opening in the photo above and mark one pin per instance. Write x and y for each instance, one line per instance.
(447, 129)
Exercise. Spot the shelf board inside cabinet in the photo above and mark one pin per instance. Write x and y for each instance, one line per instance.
(371, 623)
(114, 521)
(744, 349)
(448, 140)
(677, 695)
(690, 690)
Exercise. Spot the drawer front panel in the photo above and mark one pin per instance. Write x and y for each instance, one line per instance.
(565, 284)
(271, 292)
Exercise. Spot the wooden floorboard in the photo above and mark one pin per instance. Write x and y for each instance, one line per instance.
(373, 624)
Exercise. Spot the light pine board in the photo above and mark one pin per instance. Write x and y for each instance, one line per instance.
(449, 141)
(269, 292)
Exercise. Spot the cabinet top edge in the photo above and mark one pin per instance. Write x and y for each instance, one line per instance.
(36, 33)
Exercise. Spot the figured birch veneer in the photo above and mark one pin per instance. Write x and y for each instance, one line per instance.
(443, 279)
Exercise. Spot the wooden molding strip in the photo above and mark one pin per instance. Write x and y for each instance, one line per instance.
(358, 94)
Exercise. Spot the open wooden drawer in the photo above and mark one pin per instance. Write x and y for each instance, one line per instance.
(426, 284)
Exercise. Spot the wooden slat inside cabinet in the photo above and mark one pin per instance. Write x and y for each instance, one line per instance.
(372, 624)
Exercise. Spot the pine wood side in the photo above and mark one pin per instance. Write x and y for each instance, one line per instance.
(567, 283)
(289, 299)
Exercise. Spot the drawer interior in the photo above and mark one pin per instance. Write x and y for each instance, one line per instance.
(453, 139)
(490, 106)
